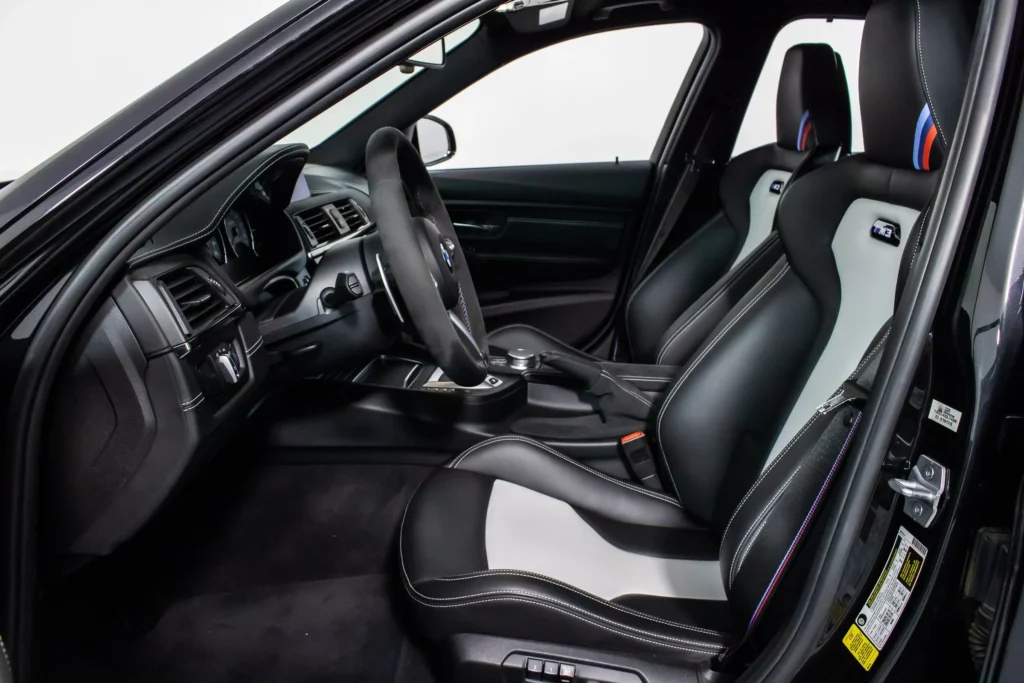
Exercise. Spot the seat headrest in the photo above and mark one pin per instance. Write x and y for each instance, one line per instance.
(913, 70)
(813, 104)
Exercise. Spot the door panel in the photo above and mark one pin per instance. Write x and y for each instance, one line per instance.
(546, 244)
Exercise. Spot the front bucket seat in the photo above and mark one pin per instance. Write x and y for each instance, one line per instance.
(664, 316)
(514, 539)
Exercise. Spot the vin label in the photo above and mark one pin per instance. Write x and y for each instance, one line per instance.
(876, 620)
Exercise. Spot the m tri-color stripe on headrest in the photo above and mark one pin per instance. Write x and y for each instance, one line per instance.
(804, 132)
(924, 138)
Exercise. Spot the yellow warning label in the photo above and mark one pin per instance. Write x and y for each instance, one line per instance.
(861, 648)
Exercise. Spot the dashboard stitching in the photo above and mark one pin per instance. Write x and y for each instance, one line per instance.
(290, 151)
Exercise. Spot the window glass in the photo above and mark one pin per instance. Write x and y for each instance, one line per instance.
(594, 98)
(316, 130)
(68, 65)
(843, 35)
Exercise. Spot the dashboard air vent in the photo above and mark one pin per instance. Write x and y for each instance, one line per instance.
(201, 299)
(352, 215)
(318, 225)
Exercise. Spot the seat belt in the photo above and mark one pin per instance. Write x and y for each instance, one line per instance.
(694, 164)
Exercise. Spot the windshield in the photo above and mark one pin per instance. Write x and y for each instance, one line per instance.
(98, 57)
(68, 66)
(340, 115)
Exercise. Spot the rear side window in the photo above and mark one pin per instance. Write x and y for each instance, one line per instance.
(843, 35)
(593, 98)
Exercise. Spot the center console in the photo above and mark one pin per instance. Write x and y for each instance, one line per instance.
(403, 402)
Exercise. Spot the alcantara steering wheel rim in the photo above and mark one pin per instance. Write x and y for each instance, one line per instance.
(424, 257)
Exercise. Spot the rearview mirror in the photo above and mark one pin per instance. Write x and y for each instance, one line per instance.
(430, 57)
(435, 140)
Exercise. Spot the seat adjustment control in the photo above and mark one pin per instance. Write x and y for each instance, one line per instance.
(528, 668)
(534, 668)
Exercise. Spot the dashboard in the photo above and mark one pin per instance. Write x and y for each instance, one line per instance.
(233, 289)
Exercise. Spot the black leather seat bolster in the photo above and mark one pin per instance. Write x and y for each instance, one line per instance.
(537, 466)
(677, 282)
(684, 336)
(697, 264)
(527, 337)
(650, 378)
(511, 603)
(735, 391)
(445, 570)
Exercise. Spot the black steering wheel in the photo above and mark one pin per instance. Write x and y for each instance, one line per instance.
(425, 258)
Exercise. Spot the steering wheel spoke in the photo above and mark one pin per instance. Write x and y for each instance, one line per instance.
(424, 258)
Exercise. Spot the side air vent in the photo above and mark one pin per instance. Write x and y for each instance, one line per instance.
(201, 300)
(353, 216)
(319, 225)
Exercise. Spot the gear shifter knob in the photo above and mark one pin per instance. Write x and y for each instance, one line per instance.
(522, 359)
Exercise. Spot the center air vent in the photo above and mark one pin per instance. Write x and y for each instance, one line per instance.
(330, 222)
(201, 300)
(352, 215)
(319, 225)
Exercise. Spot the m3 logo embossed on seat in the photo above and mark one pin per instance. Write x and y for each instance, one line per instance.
(886, 232)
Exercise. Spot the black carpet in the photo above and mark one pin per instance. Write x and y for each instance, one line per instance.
(271, 573)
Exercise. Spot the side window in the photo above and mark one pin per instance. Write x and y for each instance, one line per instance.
(843, 35)
(594, 98)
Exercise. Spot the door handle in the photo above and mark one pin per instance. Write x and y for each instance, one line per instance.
(486, 228)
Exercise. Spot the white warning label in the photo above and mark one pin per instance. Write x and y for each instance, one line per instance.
(883, 608)
(944, 415)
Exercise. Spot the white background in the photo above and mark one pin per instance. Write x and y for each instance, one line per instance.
(70, 64)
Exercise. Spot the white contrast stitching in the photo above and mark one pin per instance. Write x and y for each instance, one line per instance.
(213, 223)
(627, 390)
(7, 659)
(255, 347)
(755, 258)
(764, 474)
(743, 546)
(562, 603)
(704, 353)
(637, 489)
(711, 648)
(562, 584)
(924, 79)
(796, 438)
(192, 400)
(638, 378)
(194, 405)
(413, 592)
(920, 238)
(868, 358)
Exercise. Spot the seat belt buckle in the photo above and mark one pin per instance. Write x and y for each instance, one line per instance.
(640, 459)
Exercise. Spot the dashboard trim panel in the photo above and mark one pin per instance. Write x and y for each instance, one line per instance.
(227, 192)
